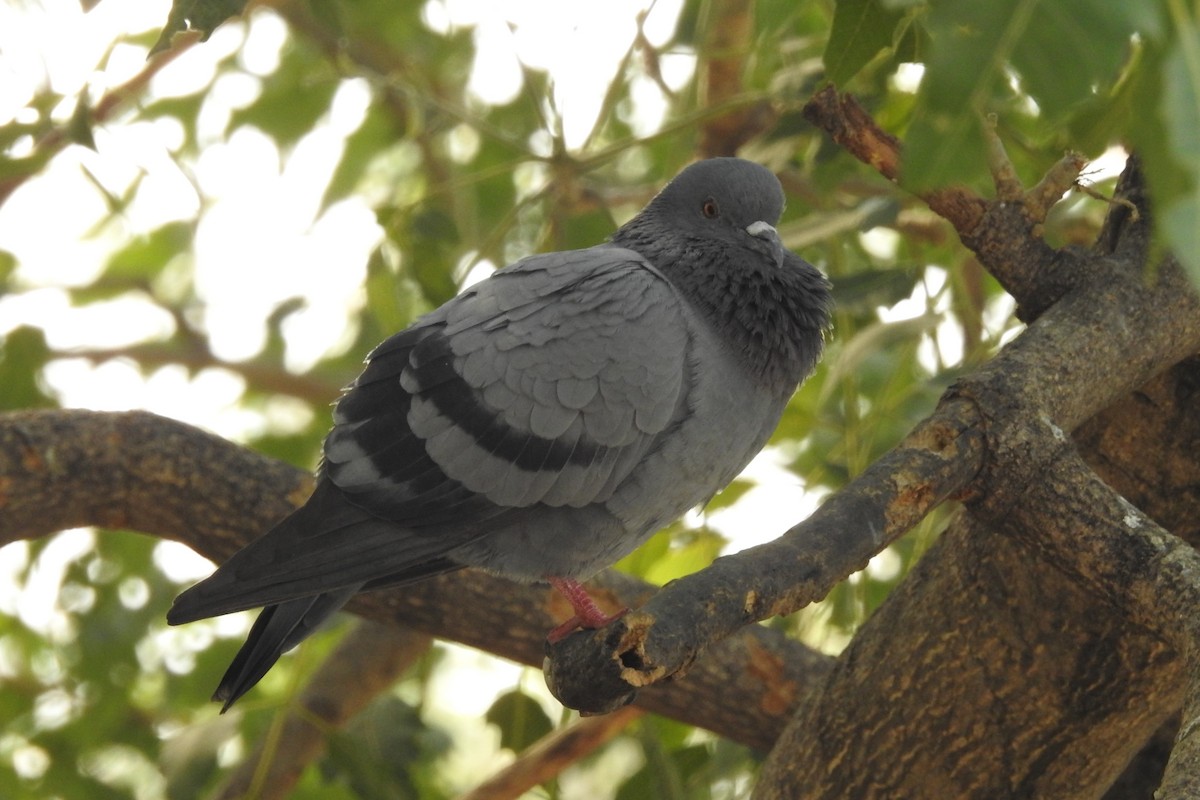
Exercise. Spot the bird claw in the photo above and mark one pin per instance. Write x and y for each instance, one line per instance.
(588, 615)
(576, 623)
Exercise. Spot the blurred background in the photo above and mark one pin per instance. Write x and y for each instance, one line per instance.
(221, 233)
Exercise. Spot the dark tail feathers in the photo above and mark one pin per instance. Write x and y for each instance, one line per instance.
(278, 629)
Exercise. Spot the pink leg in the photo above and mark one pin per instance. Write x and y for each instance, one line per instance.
(587, 614)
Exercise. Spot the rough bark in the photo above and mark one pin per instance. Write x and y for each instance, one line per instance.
(1010, 677)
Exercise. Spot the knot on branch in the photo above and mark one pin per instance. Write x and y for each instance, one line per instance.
(586, 683)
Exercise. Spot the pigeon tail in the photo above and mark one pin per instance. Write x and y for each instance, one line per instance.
(278, 629)
(323, 547)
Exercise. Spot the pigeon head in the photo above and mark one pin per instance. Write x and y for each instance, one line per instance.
(722, 202)
(711, 232)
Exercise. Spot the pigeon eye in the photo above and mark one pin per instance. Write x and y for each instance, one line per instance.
(709, 209)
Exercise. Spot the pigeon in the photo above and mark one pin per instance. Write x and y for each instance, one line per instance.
(549, 419)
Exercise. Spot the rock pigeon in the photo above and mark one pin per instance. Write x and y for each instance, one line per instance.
(549, 419)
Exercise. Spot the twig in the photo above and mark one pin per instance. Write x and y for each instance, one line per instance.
(552, 754)
(113, 101)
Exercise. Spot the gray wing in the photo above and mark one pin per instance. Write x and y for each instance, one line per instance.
(544, 384)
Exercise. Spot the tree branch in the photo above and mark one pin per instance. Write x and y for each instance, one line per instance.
(63, 469)
(728, 44)
(597, 671)
(848, 124)
(1005, 234)
(552, 754)
(1093, 347)
(114, 101)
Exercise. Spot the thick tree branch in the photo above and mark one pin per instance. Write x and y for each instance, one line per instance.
(1151, 577)
(1010, 679)
(601, 670)
(63, 469)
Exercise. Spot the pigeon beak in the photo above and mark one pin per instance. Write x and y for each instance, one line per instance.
(767, 233)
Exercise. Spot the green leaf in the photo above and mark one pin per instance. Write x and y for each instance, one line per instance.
(14, 170)
(689, 553)
(912, 44)
(1065, 53)
(867, 289)
(969, 46)
(393, 301)
(293, 100)
(143, 257)
(8, 265)
(730, 494)
(1181, 227)
(971, 43)
(520, 718)
(429, 241)
(185, 109)
(861, 29)
(644, 559)
(1181, 97)
(136, 264)
(384, 750)
(665, 774)
(79, 127)
(1071, 47)
(1129, 111)
(942, 149)
(196, 15)
(23, 353)
(1180, 219)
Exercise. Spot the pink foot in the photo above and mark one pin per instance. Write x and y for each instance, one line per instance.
(588, 615)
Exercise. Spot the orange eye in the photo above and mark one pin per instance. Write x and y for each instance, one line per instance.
(709, 209)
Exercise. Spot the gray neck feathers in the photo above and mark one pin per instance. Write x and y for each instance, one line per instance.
(772, 319)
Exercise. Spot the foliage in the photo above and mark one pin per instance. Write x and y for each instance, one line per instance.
(1081, 74)
(101, 700)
